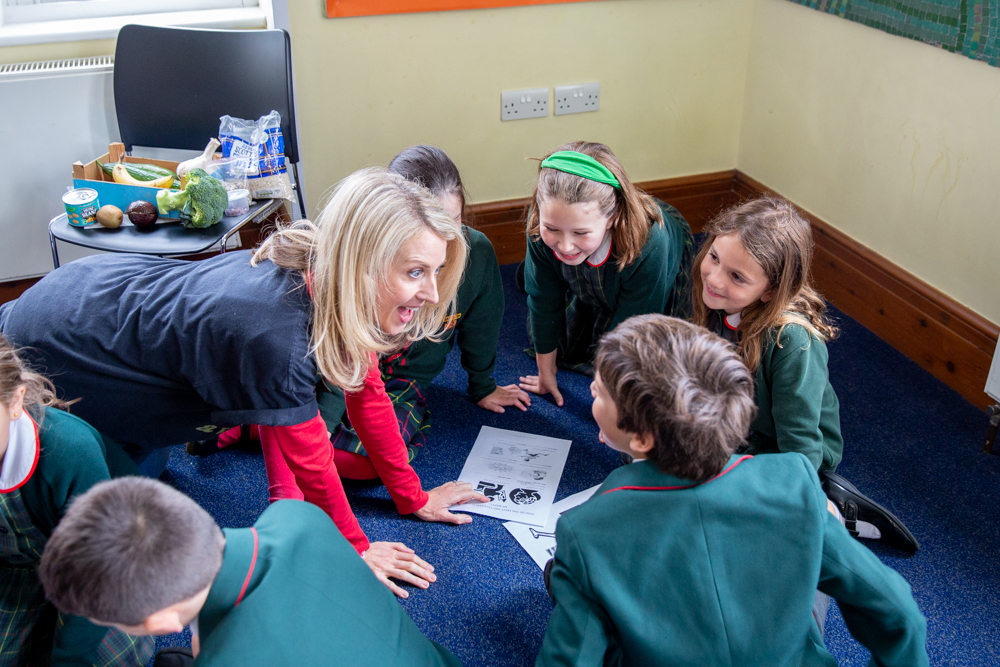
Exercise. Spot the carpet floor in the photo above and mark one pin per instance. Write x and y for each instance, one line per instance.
(911, 443)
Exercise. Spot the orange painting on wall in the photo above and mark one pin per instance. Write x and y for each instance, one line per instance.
(345, 8)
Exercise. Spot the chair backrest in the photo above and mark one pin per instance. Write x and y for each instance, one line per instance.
(173, 84)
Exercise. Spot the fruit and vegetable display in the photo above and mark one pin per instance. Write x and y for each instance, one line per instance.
(142, 214)
(201, 203)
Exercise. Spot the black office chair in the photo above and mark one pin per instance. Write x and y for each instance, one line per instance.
(173, 84)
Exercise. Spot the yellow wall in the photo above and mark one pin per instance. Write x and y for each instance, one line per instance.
(671, 75)
(891, 141)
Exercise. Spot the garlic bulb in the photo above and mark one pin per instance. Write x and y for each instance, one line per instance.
(184, 168)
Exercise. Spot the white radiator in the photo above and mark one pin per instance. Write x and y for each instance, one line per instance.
(51, 114)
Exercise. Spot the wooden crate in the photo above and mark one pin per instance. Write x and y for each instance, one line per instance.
(90, 175)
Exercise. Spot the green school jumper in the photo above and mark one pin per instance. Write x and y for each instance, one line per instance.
(292, 592)
(797, 408)
(474, 325)
(69, 457)
(655, 570)
(571, 307)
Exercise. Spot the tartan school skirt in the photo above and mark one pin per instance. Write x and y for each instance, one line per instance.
(30, 624)
(408, 402)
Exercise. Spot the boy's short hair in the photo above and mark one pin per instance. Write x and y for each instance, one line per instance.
(128, 548)
(685, 386)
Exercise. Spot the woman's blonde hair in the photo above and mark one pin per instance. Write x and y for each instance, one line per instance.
(630, 210)
(779, 239)
(39, 391)
(346, 257)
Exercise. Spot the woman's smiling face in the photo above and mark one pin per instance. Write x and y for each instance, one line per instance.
(412, 281)
(573, 231)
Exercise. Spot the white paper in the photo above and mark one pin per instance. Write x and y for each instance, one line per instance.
(541, 543)
(519, 471)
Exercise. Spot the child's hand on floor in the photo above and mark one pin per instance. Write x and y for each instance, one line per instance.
(501, 396)
(545, 381)
(446, 495)
(396, 560)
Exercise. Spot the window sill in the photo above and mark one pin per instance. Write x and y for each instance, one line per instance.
(80, 30)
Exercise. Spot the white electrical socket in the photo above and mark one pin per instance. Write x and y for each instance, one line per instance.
(529, 103)
(578, 99)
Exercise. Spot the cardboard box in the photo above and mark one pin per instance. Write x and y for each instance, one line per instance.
(90, 175)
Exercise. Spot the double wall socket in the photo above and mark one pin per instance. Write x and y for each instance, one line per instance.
(529, 103)
(577, 99)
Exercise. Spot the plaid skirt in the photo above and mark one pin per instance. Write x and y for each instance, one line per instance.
(30, 625)
(408, 402)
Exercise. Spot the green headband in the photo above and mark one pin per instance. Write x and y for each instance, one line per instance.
(581, 165)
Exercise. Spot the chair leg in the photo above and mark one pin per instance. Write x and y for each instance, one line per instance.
(994, 412)
(55, 250)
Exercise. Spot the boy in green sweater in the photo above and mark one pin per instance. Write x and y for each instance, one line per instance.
(701, 528)
(140, 556)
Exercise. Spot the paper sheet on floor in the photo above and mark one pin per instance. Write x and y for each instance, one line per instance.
(519, 471)
(541, 543)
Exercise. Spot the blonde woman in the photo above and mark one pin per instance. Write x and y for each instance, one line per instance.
(165, 351)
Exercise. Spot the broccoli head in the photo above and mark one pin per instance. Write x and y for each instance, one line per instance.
(201, 203)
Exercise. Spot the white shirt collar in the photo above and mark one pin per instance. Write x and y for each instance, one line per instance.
(21, 457)
(733, 321)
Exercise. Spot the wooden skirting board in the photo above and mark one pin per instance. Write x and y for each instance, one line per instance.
(946, 338)
(950, 341)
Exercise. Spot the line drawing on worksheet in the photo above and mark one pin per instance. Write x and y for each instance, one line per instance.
(519, 472)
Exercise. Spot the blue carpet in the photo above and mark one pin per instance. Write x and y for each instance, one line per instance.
(911, 443)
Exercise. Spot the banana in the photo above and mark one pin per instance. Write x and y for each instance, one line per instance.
(121, 175)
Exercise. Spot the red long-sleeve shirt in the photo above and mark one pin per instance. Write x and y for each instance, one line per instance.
(309, 458)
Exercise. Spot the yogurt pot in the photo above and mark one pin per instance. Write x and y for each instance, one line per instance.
(239, 202)
(81, 206)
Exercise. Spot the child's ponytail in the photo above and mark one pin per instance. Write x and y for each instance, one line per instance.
(630, 210)
(14, 373)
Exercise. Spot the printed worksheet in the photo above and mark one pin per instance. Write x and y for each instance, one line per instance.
(541, 543)
(519, 472)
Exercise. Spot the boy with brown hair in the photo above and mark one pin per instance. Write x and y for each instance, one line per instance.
(691, 555)
(141, 556)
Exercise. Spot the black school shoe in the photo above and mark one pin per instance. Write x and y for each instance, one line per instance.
(856, 506)
(174, 656)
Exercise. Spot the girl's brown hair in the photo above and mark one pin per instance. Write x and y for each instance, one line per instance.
(630, 210)
(779, 239)
(39, 391)
(349, 251)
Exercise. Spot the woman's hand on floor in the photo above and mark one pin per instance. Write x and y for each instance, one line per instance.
(396, 560)
(509, 395)
(446, 495)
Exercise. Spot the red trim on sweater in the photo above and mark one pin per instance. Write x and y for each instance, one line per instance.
(684, 486)
(253, 562)
(34, 465)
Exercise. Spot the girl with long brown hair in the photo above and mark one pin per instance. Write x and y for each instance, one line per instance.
(752, 286)
(599, 251)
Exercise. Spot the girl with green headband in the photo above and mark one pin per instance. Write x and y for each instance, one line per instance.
(599, 251)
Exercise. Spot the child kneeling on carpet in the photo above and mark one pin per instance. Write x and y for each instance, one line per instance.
(48, 456)
(753, 287)
(599, 251)
(691, 555)
(142, 557)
